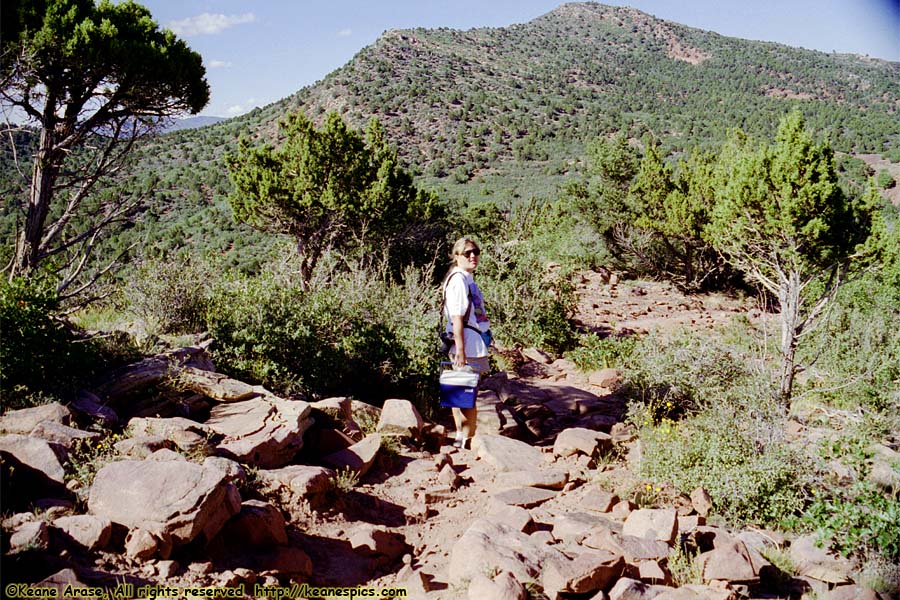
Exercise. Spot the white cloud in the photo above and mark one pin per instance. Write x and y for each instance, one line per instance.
(239, 109)
(209, 24)
(345, 33)
(219, 64)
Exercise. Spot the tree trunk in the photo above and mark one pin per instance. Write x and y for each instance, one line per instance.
(44, 172)
(789, 299)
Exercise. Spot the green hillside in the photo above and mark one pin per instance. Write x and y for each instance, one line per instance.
(504, 113)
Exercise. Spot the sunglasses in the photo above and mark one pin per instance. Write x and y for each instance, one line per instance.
(469, 253)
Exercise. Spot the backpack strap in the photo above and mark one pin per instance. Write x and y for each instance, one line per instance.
(444, 302)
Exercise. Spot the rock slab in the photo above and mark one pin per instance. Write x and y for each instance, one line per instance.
(177, 500)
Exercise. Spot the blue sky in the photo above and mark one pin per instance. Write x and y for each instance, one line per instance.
(261, 51)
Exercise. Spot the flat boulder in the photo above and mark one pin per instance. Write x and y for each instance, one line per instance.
(265, 432)
(537, 355)
(332, 411)
(578, 440)
(399, 417)
(34, 453)
(24, 420)
(693, 591)
(63, 435)
(599, 500)
(297, 483)
(732, 562)
(652, 523)
(87, 531)
(506, 454)
(574, 527)
(216, 386)
(33, 535)
(142, 446)
(494, 416)
(504, 586)
(588, 572)
(609, 379)
(186, 434)
(633, 548)
(554, 479)
(234, 472)
(174, 500)
(633, 589)
(490, 546)
(818, 563)
(526, 497)
(514, 516)
(358, 458)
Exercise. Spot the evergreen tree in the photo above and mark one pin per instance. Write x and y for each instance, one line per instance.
(333, 189)
(93, 79)
(782, 219)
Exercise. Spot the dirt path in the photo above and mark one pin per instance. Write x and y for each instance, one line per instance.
(649, 306)
(555, 395)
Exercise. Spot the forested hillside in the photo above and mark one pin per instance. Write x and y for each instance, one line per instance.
(509, 111)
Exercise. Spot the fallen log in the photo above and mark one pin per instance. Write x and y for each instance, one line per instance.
(150, 371)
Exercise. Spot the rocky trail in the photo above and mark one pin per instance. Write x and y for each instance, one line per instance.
(224, 486)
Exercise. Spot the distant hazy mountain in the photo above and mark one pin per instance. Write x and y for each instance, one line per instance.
(193, 123)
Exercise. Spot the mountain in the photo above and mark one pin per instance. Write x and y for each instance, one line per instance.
(496, 101)
(193, 123)
(460, 102)
(504, 113)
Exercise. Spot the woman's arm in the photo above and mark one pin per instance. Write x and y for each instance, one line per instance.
(459, 360)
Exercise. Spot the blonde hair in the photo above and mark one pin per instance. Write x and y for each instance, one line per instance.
(460, 246)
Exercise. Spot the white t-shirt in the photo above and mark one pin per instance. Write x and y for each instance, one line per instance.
(459, 289)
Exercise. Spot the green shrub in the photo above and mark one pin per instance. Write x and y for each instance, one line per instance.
(528, 304)
(39, 354)
(857, 349)
(856, 519)
(359, 336)
(751, 475)
(170, 296)
(527, 309)
(707, 418)
(885, 180)
(594, 352)
(671, 378)
(87, 457)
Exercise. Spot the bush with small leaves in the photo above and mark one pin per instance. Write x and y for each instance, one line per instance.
(595, 352)
(885, 180)
(170, 296)
(359, 335)
(751, 474)
(41, 353)
(855, 519)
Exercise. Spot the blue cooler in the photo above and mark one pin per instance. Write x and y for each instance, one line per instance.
(458, 388)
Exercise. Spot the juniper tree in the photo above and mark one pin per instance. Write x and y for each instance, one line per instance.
(332, 189)
(782, 219)
(92, 79)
